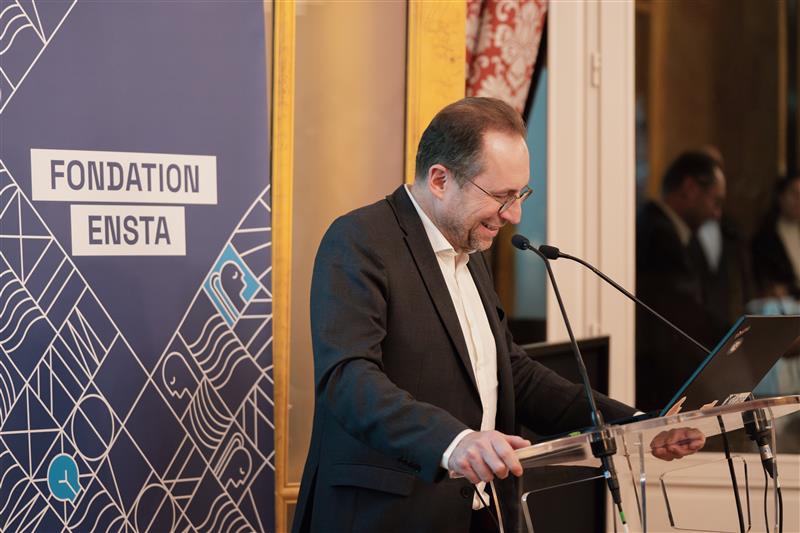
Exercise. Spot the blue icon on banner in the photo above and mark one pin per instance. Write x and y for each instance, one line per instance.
(230, 285)
(62, 478)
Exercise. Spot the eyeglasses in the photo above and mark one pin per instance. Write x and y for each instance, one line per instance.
(508, 201)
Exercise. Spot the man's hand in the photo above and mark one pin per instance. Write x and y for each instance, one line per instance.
(485, 455)
(677, 443)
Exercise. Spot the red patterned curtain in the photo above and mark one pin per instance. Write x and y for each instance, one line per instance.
(503, 39)
(502, 42)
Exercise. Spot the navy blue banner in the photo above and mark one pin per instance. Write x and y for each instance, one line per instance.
(136, 389)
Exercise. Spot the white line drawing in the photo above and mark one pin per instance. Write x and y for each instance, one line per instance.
(58, 370)
(10, 21)
(19, 315)
(21, 339)
(182, 476)
(40, 29)
(207, 417)
(18, 306)
(22, 507)
(177, 377)
(152, 506)
(71, 384)
(231, 299)
(235, 463)
(92, 422)
(224, 516)
(8, 392)
(219, 360)
(92, 512)
(90, 349)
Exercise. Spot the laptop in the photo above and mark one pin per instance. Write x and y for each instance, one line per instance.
(738, 363)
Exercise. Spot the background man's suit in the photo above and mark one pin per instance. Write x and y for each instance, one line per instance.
(394, 383)
(670, 280)
(771, 263)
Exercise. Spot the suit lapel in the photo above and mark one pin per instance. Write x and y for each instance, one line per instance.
(428, 266)
(505, 387)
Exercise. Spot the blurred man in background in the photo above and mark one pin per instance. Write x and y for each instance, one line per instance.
(670, 267)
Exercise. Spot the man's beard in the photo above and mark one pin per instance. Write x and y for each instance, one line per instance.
(476, 244)
(466, 240)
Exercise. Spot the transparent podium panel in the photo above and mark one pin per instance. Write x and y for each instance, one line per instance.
(720, 490)
(690, 511)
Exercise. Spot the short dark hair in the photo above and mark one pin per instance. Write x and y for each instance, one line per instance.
(454, 138)
(696, 165)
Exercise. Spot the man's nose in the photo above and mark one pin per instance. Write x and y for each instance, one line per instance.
(513, 214)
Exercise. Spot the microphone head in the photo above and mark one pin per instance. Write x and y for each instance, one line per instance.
(550, 252)
(521, 242)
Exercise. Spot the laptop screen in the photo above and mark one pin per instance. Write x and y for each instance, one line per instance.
(738, 363)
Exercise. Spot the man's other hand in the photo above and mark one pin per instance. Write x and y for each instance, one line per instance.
(677, 443)
(485, 455)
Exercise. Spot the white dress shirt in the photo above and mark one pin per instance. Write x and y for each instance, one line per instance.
(474, 325)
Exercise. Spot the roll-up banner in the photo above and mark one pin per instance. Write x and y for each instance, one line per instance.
(136, 382)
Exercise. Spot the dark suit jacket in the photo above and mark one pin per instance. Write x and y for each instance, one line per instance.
(394, 383)
(669, 279)
(771, 264)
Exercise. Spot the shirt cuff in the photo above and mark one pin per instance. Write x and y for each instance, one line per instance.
(449, 450)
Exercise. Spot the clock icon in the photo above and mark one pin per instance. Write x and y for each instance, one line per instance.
(62, 478)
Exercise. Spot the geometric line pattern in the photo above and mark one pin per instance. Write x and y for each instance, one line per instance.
(26, 29)
(70, 384)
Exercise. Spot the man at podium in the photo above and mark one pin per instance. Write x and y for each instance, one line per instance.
(416, 372)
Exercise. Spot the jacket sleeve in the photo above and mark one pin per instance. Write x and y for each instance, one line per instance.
(349, 294)
(549, 404)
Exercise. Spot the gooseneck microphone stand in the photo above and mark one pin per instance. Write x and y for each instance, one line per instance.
(551, 252)
(758, 435)
(603, 444)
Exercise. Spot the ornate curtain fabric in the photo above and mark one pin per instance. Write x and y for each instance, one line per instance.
(502, 42)
(503, 38)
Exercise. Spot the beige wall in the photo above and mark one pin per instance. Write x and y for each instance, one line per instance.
(349, 130)
(713, 79)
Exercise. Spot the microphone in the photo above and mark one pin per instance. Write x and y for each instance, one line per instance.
(759, 429)
(523, 243)
(551, 252)
(603, 444)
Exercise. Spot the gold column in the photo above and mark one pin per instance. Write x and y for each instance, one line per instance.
(282, 109)
(436, 49)
(436, 74)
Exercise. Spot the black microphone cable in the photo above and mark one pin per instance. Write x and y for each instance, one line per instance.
(602, 442)
(766, 514)
(498, 521)
(759, 429)
(779, 517)
(734, 483)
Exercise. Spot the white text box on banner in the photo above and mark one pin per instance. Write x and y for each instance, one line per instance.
(127, 230)
(123, 177)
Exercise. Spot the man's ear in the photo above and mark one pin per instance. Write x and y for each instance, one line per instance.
(438, 180)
